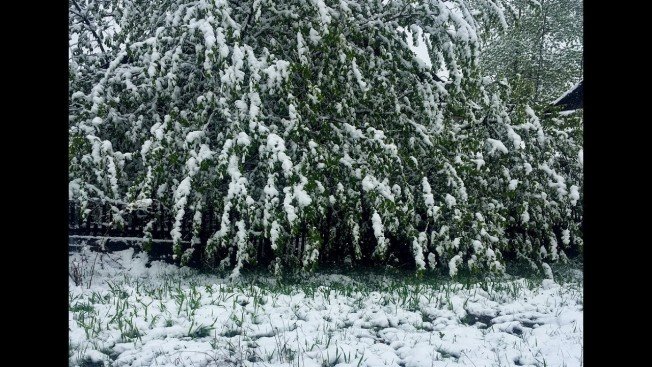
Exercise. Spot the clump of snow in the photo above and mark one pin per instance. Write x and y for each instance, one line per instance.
(417, 249)
(574, 194)
(496, 145)
(276, 146)
(302, 48)
(274, 234)
(300, 195)
(277, 73)
(324, 13)
(516, 139)
(207, 29)
(429, 199)
(479, 160)
(180, 200)
(432, 260)
(565, 237)
(243, 139)
(379, 233)
(140, 204)
(358, 76)
(452, 265)
(369, 183)
(290, 210)
(193, 135)
(314, 36)
(450, 200)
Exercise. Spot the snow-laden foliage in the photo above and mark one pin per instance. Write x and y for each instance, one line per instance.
(541, 49)
(314, 134)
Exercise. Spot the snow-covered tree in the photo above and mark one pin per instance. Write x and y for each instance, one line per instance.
(314, 133)
(541, 49)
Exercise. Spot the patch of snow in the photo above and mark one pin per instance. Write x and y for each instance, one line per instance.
(451, 324)
(496, 145)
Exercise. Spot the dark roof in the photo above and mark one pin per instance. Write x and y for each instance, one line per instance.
(573, 99)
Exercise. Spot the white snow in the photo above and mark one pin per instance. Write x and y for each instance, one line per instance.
(205, 27)
(180, 200)
(290, 210)
(496, 145)
(157, 314)
(353, 131)
(417, 250)
(274, 233)
(479, 160)
(432, 260)
(450, 200)
(302, 49)
(574, 194)
(324, 14)
(369, 183)
(452, 265)
(140, 204)
(276, 146)
(559, 182)
(314, 36)
(379, 233)
(427, 193)
(277, 73)
(243, 139)
(358, 76)
(193, 135)
(569, 112)
(565, 237)
(302, 197)
(516, 139)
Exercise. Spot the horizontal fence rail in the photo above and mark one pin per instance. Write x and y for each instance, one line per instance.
(109, 227)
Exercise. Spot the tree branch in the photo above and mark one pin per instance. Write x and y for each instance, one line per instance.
(90, 26)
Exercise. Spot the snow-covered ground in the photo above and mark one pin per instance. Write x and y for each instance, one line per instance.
(159, 315)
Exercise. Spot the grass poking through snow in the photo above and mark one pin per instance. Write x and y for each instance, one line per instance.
(132, 314)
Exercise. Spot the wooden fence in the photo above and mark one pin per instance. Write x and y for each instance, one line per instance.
(100, 232)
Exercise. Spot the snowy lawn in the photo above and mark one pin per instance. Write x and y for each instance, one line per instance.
(140, 314)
